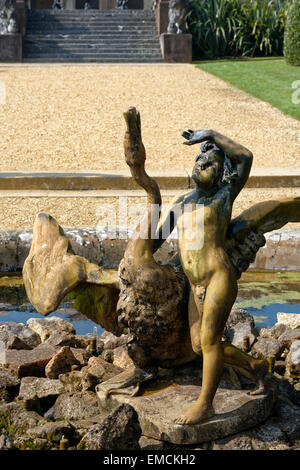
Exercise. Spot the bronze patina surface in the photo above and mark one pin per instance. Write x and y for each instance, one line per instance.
(175, 312)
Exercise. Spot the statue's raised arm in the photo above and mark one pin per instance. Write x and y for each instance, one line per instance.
(240, 157)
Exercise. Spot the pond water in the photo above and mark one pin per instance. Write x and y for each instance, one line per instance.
(265, 293)
(15, 306)
(262, 293)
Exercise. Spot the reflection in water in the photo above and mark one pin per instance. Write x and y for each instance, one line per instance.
(14, 306)
(261, 293)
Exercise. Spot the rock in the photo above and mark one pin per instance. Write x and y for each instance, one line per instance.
(45, 327)
(235, 410)
(120, 430)
(8, 381)
(53, 432)
(279, 446)
(293, 360)
(148, 443)
(16, 343)
(288, 418)
(29, 363)
(237, 333)
(61, 338)
(291, 320)
(79, 405)
(121, 358)
(18, 336)
(110, 341)
(108, 355)
(41, 388)
(6, 442)
(97, 371)
(81, 355)
(236, 442)
(289, 336)
(29, 443)
(267, 347)
(285, 388)
(83, 341)
(275, 332)
(270, 433)
(238, 315)
(60, 363)
(82, 426)
(5, 397)
(71, 381)
(16, 421)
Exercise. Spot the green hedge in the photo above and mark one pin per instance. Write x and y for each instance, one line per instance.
(223, 28)
(292, 34)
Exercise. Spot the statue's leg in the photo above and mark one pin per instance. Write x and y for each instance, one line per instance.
(219, 298)
(255, 369)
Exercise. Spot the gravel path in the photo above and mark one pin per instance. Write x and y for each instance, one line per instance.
(70, 117)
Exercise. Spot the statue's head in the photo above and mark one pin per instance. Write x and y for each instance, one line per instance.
(212, 167)
(209, 166)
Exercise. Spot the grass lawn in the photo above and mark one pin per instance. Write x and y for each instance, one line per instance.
(268, 80)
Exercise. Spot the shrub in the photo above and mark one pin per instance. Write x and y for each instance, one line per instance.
(211, 24)
(292, 34)
(237, 27)
(259, 28)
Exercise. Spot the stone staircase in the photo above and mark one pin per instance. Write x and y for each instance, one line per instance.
(91, 36)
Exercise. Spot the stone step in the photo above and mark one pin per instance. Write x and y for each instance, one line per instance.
(92, 52)
(91, 36)
(104, 41)
(83, 28)
(77, 59)
(52, 24)
(102, 60)
(104, 30)
(88, 52)
(91, 49)
(91, 21)
(78, 21)
(91, 12)
(81, 19)
(124, 35)
(90, 45)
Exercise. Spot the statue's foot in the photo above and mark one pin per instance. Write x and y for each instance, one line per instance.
(259, 372)
(196, 414)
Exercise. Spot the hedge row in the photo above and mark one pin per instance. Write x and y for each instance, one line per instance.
(292, 34)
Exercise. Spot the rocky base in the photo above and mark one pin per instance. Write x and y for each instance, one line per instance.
(50, 391)
(235, 409)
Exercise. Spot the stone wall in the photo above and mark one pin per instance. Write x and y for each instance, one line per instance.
(282, 249)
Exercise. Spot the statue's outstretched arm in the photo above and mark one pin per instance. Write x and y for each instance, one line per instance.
(135, 156)
(239, 155)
